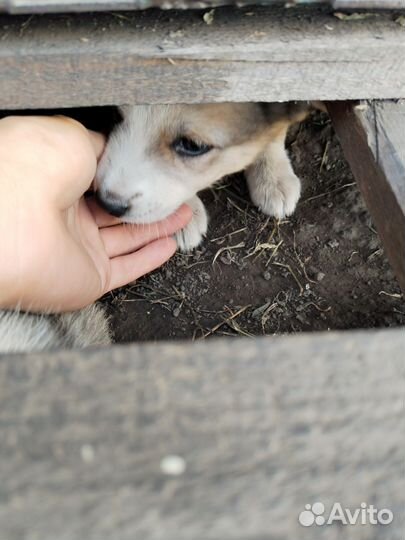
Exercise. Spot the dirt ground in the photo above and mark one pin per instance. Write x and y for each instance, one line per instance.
(321, 269)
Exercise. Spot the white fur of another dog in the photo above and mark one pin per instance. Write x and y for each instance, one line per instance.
(28, 332)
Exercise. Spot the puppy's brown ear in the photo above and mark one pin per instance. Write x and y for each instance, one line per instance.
(291, 111)
(319, 106)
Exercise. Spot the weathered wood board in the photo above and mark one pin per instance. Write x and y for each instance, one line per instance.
(263, 427)
(260, 54)
(53, 6)
(369, 4)
(372, 135)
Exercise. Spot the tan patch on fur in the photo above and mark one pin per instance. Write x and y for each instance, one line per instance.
(225, 124)
(239, 134)
(278, 130)
(164, 148)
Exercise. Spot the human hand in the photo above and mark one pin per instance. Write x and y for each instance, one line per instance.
(58, 250)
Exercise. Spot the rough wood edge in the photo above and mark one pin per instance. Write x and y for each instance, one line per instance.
(166, 57)
(264, 426)
(371, 137)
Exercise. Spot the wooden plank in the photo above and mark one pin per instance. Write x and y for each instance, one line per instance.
(171, 57)
(369, 4)
(373, 139)
(262, 427)
(66, 6)
(55, 6)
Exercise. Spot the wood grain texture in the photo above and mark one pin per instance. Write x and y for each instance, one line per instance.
(55, 6)
(373, 139)
(170, 57)
(264, 426)
(369, 4)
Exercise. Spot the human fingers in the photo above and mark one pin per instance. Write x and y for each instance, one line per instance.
(126, 238)
(83, 148)
(100, 216)
(128, 268)
(98, 141)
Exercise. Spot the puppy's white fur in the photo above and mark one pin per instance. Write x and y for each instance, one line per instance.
(273, 186)
(141, 170)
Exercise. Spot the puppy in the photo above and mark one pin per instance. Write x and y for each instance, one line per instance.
(161, 156)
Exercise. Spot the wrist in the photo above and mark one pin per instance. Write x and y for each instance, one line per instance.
(10, 294)
(15, 248)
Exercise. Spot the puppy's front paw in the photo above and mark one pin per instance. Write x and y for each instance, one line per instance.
(191, 236)
(275, 194)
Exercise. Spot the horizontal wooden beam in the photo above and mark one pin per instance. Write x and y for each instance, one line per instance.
(372, 135)
(65, 6)
(219, 440)
(263, 54)
(369, 4)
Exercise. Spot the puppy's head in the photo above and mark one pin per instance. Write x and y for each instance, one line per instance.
(162, 155)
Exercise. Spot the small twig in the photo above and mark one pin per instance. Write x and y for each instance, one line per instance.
(273, 254)
(292, 273)
(352, 255)
(227, 248)
(375, 253)
(266, 315)
(187, 267)
(225, 321)
(239, 330)
(327, 193)
(232, 203)
(25, 24)
(319, 308)
(120, 16)
(324, 157)
(228, 234)
(300, 262)
(391, 295)
(261, 247)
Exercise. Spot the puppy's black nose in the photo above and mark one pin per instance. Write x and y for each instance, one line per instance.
(113, 206)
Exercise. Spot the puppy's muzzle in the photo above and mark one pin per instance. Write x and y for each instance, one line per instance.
(113, 206)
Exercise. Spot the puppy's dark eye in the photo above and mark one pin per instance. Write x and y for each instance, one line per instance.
(185, 147)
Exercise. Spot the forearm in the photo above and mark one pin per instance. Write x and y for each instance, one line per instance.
(13, 265)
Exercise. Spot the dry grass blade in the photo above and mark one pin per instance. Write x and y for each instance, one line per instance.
(239, 330)
(225, 321)
(266, 315)
(376, 253)
(391, 295)
(259, 248)
(326, 193)
(227, 248)
(304, 270)
(322, 310)
(228, 235)
(325, 156)
(288, 267)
